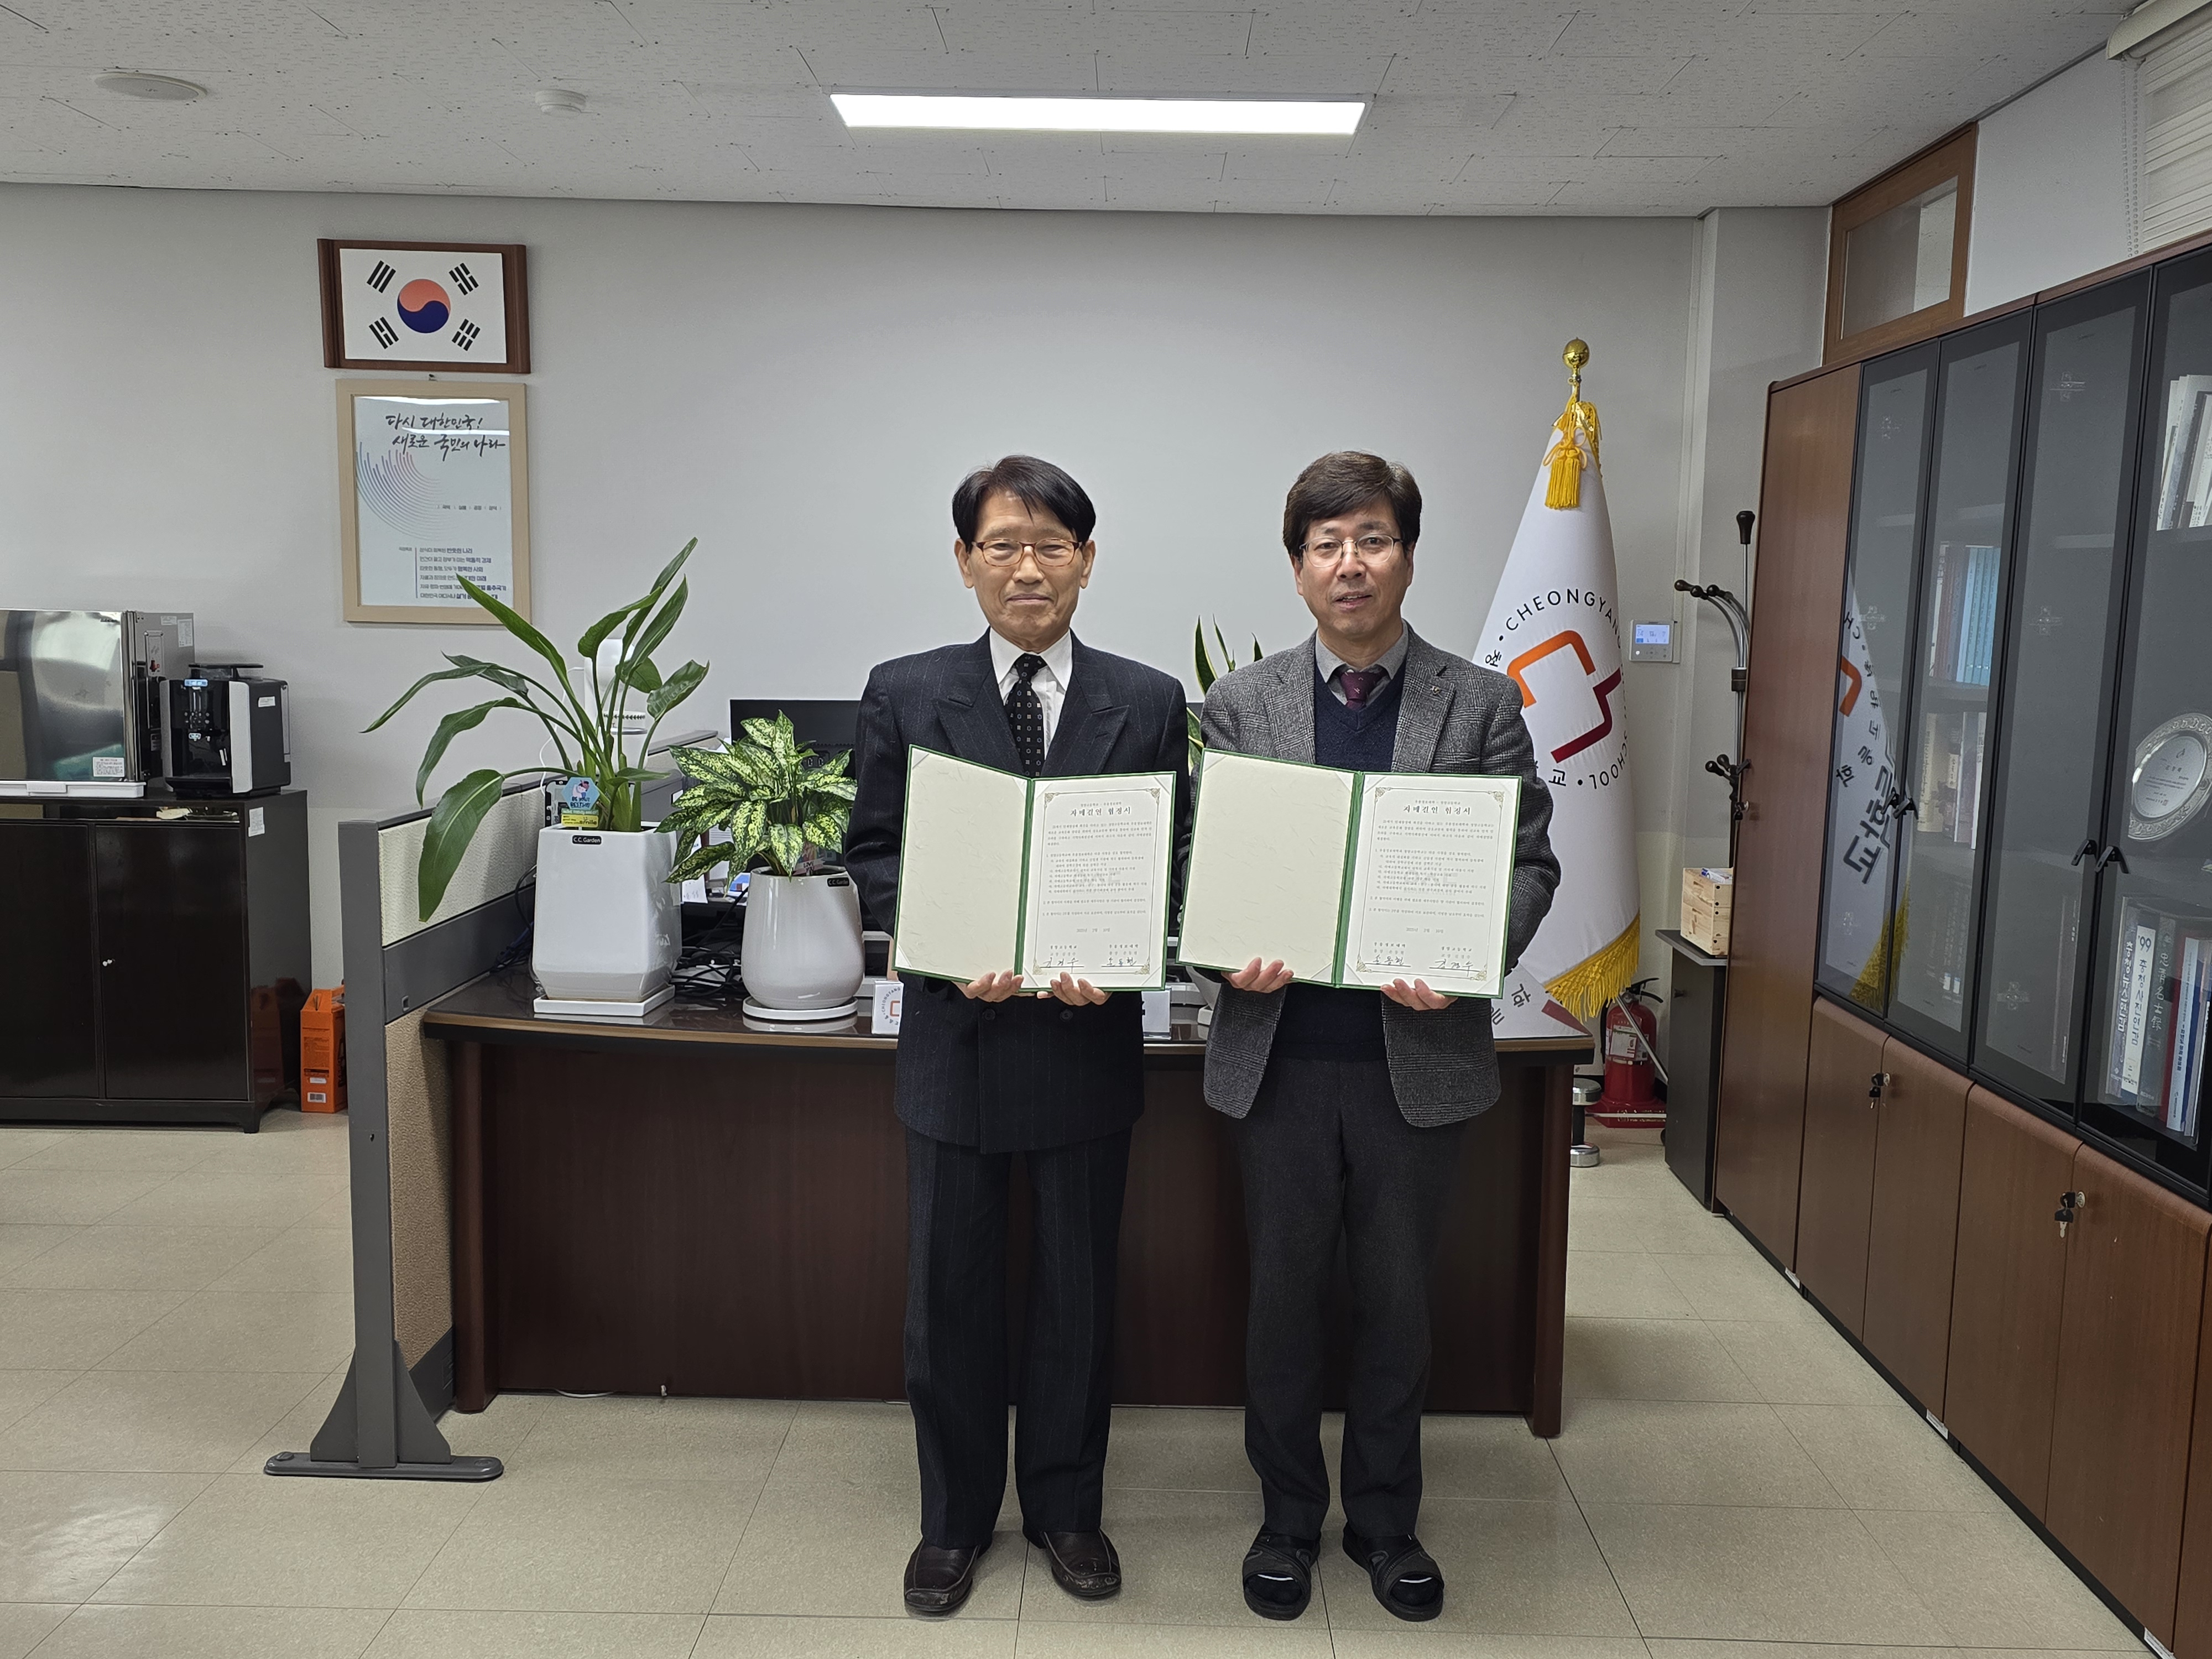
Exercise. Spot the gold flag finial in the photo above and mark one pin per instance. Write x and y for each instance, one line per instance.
(1564, 488)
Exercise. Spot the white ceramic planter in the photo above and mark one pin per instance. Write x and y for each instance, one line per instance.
(608, 927)
(802, 946)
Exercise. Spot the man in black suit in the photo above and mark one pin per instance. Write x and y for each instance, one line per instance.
(984, 1072)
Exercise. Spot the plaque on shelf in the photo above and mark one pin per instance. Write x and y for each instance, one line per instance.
(2172, 778)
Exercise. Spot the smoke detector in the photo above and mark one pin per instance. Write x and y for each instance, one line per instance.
(154, 88)
(552, 102)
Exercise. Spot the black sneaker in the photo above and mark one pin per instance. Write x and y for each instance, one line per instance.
(1407, 1581)
(1278, 1574)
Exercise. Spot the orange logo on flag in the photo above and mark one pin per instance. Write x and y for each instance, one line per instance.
(1568, 640)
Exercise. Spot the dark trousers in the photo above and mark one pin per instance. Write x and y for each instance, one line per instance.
(1327, 1157)
(956, 1333)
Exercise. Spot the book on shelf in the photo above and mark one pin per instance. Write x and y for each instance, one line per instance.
(1951, 760)
(2185, 491)
(2069, 941)
(2161, 1010)
(1963, 607)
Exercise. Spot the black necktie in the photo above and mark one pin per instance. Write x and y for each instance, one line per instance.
(1025, 715)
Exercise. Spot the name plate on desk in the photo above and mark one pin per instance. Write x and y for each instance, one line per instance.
(890, 1003)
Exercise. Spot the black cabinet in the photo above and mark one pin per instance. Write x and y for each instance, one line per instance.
(1693, 1062)
(49, 974)
(156, 959)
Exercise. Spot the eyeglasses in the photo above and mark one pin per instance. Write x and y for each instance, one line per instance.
(1373, 545)
(1050, 555)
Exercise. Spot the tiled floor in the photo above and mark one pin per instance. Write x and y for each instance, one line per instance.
(174, 1307)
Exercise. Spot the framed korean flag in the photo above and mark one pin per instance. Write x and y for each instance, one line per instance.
(425, 306)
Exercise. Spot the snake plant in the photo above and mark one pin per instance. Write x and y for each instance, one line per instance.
(1207, 673)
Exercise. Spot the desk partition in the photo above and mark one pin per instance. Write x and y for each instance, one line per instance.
(384, 1425)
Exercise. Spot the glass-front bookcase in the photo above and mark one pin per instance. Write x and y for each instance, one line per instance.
(1859, 877)
(2018, 873)
(2153, 961)
(1914, 737)
(2079, 471)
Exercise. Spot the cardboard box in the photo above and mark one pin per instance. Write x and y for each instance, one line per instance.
(322, 1052)
(1708, 905)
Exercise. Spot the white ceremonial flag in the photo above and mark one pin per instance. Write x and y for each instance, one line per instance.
(1859, 794)
(1553, 630)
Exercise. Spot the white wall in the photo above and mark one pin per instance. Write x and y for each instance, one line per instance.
(1764, 276)
(2053, 183)
(801, 387)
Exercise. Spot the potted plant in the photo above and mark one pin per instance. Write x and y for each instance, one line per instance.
(1207, 673)
(606, 929)
(786, 814)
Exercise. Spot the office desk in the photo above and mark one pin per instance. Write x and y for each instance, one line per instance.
(711, 1206)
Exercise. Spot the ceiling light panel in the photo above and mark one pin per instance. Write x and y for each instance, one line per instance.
(959, 112)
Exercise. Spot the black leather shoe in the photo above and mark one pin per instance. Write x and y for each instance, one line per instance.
(938, 1581)
(1278, 1574)
(1084, 1564)
(1407, 1580)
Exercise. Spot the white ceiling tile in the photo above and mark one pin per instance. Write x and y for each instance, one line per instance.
(1481, 106)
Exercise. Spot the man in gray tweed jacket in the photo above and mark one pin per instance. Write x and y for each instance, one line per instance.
(1350, 1104)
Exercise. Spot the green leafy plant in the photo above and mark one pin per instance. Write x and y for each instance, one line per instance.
(780, 806)
(588, 731)
(1207, 673)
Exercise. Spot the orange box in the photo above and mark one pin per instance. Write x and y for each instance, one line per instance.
(322, 1052)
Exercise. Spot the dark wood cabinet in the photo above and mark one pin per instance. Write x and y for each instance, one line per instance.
(1842, 1113)
(1913, 1231)
(2127, 1382)
(2008, 1290)
(169, 927)
(157, 959)
(48, 999)
(1805, 494)
(1693, 1060)
(2193, 1613)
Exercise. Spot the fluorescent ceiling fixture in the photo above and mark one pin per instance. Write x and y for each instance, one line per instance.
(1333, 117)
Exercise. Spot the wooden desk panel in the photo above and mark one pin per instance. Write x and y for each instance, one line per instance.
(640, 1208)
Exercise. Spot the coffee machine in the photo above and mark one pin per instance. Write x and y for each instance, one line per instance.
(225, 730)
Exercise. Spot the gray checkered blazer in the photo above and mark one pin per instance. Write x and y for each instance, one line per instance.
(1454, 717)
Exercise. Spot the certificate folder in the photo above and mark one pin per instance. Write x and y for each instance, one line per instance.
(1351, 879)
(1039, 876)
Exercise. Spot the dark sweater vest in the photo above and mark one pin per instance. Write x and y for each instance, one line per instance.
(1320, 1021)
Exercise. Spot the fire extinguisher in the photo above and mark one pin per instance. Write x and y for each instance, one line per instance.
(1632, 1060)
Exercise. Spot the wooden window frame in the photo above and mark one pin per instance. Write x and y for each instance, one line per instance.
(1949, 157)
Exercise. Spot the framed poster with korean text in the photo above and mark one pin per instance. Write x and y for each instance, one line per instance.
(425, 306)
(434, 485)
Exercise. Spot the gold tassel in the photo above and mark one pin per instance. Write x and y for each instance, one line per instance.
(1565, 488)
(1871, 989)
(1586, 987)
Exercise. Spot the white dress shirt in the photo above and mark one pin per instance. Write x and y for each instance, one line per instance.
(1051, 682)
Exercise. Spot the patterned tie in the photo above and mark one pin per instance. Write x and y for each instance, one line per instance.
(1361, 684)
(1025, 715)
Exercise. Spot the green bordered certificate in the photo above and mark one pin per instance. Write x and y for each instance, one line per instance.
(1043, 876)
(1351, 879)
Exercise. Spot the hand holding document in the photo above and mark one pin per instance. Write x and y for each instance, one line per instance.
(1351, 879)
(1055, 880)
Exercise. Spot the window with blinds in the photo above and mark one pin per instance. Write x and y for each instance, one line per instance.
(2173, 192)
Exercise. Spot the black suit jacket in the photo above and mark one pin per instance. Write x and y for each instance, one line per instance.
(1022, 1073)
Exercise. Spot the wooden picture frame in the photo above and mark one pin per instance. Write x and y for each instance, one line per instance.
(424, 496)
(471, 319)
(1950, 157)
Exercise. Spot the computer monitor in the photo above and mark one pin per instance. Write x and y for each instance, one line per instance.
(828, 727)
